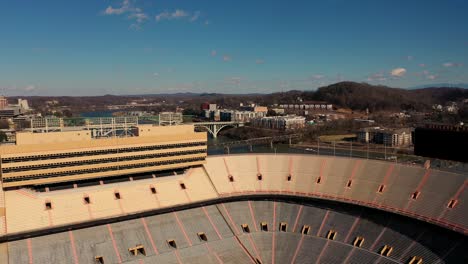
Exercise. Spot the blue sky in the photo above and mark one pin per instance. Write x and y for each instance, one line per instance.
(95, 47)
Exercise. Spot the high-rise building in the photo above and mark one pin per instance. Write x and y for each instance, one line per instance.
(55, 157)
(3, 102)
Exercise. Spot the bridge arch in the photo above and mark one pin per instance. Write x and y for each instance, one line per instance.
(214, 127)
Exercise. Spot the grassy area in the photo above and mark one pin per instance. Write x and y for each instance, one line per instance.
(336, 138)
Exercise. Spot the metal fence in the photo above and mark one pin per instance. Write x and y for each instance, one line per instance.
(345, 149)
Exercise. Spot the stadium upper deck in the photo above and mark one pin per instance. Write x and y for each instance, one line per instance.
(434, 196)
(46, 158)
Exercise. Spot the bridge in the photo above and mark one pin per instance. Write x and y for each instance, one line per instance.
(258, 141)
(214, 127)
(114, 126)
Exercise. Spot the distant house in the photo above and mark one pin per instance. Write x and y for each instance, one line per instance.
(388, 136)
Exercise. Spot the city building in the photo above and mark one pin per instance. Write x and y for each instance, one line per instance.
(12, 110)
(308, 106)
(387, 136)
(254, 108)
(208, 106)
(170, 118)
(55, 157)
(280, 122)
(240, 116)
(278, 111)
(3, 102)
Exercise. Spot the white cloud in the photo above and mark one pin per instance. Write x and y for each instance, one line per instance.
(431, 77)
(259, 61)
(134, 13)
(30, 88)
(125, 7)
(162, 16)
(452, 64)
(178, 14)
(380, 76)
(139, 17)
(195, 16)
(227, 58)
(422, 65)
(214, 53)
(318, 76)
(398, 72)
(156, 74)
(409, 58)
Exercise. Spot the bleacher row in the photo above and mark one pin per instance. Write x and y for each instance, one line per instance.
(251, 232)
(429, 195)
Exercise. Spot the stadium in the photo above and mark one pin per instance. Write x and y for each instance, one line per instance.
(158, 198)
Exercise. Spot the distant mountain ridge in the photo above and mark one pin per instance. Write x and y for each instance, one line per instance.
(450, 85)
(356, 96)
(361, 96)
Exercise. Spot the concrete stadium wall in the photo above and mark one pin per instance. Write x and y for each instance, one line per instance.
(227, 243)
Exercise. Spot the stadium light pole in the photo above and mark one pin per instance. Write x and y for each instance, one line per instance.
(318, 146)
(367, 149)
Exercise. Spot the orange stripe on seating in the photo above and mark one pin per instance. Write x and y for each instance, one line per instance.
(352, 229)
(455, 197)
(297, 249)
(90, 213)
(460, 190)
(274, 215)
(213, 253)
(423, 180)
(322, 168)
(49, 214)
(72, 243)
(378, 238)
(249, 236)
(323, 223)
(349, 255)
(226, 166)
(26, 194)
(30, 254)
(355, 168)
(176, 253)
(114, 244)
(273, 248)
(245, 250)
(322, 251)
(211, 222)
(183, 229)
(297, 217)
(253, 216)
(230, 219)
(148, 233)
(388, 174)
